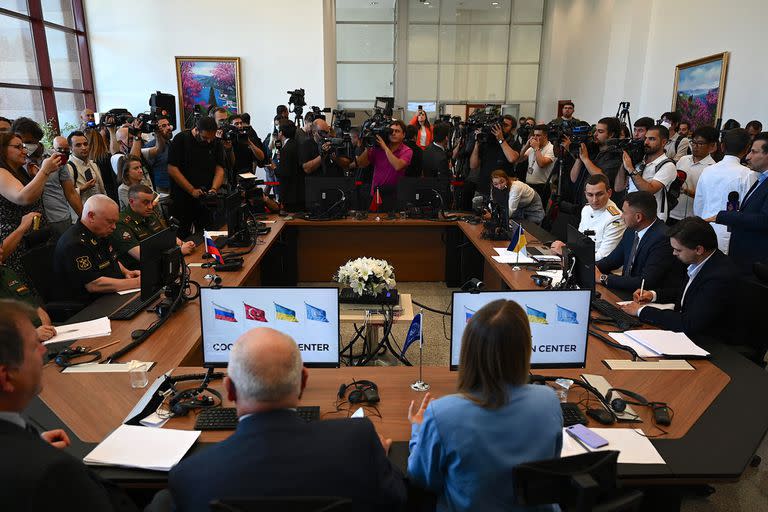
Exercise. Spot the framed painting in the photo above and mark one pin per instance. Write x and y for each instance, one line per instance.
(206, 83)
(699, 89)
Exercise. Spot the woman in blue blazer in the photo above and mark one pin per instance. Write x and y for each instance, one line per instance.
(464, 446)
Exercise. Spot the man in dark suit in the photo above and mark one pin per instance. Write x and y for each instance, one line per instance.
(706, 298)
(414, 168)
(749, 223)
(644, 251)
(289, 171)
(36, 472)
(434, 162)
(273, 452)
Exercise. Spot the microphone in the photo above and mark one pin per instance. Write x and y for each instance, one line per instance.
(733, 201)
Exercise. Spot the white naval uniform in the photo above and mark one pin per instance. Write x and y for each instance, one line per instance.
(608, 227)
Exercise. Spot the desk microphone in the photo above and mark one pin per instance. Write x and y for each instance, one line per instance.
(733, 201)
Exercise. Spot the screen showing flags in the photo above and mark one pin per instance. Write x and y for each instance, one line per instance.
(211, 248)
(559, 322)
(308, 315)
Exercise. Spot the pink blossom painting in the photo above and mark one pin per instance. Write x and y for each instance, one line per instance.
(206, 83)
(699, 90)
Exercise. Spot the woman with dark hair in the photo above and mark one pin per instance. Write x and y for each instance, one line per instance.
(424, 136)
(20, 195)
(464, 446)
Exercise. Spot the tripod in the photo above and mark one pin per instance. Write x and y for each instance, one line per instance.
(622, 114)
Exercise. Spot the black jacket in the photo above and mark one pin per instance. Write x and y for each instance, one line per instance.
(291, 176)
(434, 162)
(749, 228)
(277, 454)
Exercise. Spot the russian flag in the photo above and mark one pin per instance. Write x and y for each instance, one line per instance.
(222, 313)
(211, 248)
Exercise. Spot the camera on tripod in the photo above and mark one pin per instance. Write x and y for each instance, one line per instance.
(317, 113)
(377, 124)
(296, 99)
(342, 120)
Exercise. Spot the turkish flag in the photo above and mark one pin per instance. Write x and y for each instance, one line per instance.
(252, 313)
(375, 201)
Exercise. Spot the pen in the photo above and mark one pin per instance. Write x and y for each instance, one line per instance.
(65, 332)
(642, 285)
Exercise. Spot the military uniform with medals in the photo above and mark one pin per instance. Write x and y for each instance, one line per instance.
(608, 227)
(82, 257)
(13, 287)
(131, 230)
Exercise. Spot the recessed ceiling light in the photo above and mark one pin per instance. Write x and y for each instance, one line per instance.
(494, 4)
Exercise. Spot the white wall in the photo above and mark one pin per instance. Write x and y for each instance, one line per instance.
(600, 52)
(133, 45)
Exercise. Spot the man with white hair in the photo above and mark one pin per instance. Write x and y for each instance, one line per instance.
(274, 452)
(85, 257)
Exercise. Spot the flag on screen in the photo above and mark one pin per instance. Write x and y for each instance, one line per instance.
(211, 248)
(252, 313)
(468, 312)
(222, 313)
(375, 201)
(414, 333)
(535, 316)
(566, 316)
(518, 241)
(285, 314)
(315, 313)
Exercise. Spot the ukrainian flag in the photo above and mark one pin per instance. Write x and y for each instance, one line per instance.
(535, 316)
(566, 316)
(285, 314)
(518, 241)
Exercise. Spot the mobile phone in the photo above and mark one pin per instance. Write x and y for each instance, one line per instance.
(586, 436)
(88, 174)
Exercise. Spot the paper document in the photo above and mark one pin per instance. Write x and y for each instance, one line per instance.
(627, 341)
(156, 449)
(90, 329)
(667, 343)
(214, 234)
(126, 292)
(650, 304)
(247, 176)
(505, 256)
(109, 368)
(547, 257)
(632, 445)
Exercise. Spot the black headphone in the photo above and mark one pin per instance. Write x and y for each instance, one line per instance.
(365, 391)
(184, 401)
(542, 281)
(620, 404)
(65, 357)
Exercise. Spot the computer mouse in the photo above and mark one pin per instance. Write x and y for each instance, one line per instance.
(601, 416)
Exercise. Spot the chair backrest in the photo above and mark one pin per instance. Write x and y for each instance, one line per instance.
(38, 263)
(575, 483)
(283, 504)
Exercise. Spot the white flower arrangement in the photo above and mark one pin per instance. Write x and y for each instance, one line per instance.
(367, 276)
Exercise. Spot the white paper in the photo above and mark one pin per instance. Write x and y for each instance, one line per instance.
(214, 234)
(247, 176)
(547, 257)
(155, 421)
(195, 264)
(157, 449)
(633, 447)
(667, 343)
(360, 413)
(555, 275)
(126, 292)
(108, 368)
(642, 350)
(650, 304)
(78, 331)
(512, 257)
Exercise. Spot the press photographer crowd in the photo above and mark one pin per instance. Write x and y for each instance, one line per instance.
(96, 192)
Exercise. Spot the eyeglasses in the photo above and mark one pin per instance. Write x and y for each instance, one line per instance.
(20, 147)
(699, 143)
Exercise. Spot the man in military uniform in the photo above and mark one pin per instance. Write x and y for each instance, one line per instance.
(85, 256)
(13, 287)
(138, 221)
(601, 216)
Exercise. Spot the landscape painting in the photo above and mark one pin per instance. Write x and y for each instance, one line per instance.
(206, 83)
(699, 89)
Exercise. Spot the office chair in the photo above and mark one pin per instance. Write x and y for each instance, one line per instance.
(581, 483)
(38, 264)
(283, 504)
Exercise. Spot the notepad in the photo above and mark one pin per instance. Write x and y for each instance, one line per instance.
(155, 449)
(649, 305)
(78, 331)
(667, 343)
(632, 445)
(505, 256)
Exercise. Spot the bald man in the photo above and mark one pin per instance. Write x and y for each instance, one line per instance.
(318, 159)
(85, 257)
(273, 452)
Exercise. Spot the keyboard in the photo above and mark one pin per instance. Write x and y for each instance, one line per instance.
(132, 308)
(572, 415)
(225, 418)
(623, 320)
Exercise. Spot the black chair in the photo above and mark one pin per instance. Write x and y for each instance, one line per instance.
(38, 264)
(283, 504)
(581, 483)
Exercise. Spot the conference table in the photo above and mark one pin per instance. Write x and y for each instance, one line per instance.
(720, 408)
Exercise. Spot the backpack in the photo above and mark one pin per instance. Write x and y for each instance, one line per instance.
(671, 196)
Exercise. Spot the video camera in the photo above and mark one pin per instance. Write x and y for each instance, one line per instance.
(579, 133)
(231, 133)
(342, 146)
(116, 117)
(297, 100)
(317, 113)
(341, 120)
(635, 148)
(483, 121)
(377, 124)
(148, 122)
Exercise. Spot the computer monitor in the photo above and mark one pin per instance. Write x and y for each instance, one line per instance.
(328, 197)
(559, 322)
(159, 262)
(237, 227)
(385, 103)
(308, 315)
(579, 259)
(428, 194)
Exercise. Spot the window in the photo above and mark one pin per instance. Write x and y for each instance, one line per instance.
(45, 66)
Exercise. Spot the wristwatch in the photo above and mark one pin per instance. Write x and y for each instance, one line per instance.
(501, 141)
(604, 279)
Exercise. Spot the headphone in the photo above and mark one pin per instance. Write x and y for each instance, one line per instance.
(620, 404)
(365, 391)
(184, 401)
(542, 281)
(65, 357)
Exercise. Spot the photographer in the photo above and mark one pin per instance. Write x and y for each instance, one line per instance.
(195, 166)
(130, 143)
(318, 158)
(607, 162)
(220, 116)
(641, 126)
(655, 172)
(499, 152)
(157, 156)
(247, 145)
(540, 154)
(289, 170)
(389, 162)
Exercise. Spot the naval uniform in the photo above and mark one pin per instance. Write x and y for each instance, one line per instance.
(13, 287)
(82, 257)
(607, 225)
(131, 230)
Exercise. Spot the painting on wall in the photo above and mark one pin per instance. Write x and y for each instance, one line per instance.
(205, 83)
(699, 89)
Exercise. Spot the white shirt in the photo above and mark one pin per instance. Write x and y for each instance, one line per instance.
(693, 171)
(715, 183)
(538, 175)
(81, 180)
(608, 227)
(682, 148)
(520, 196)
(423, 136)
(666, 175)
